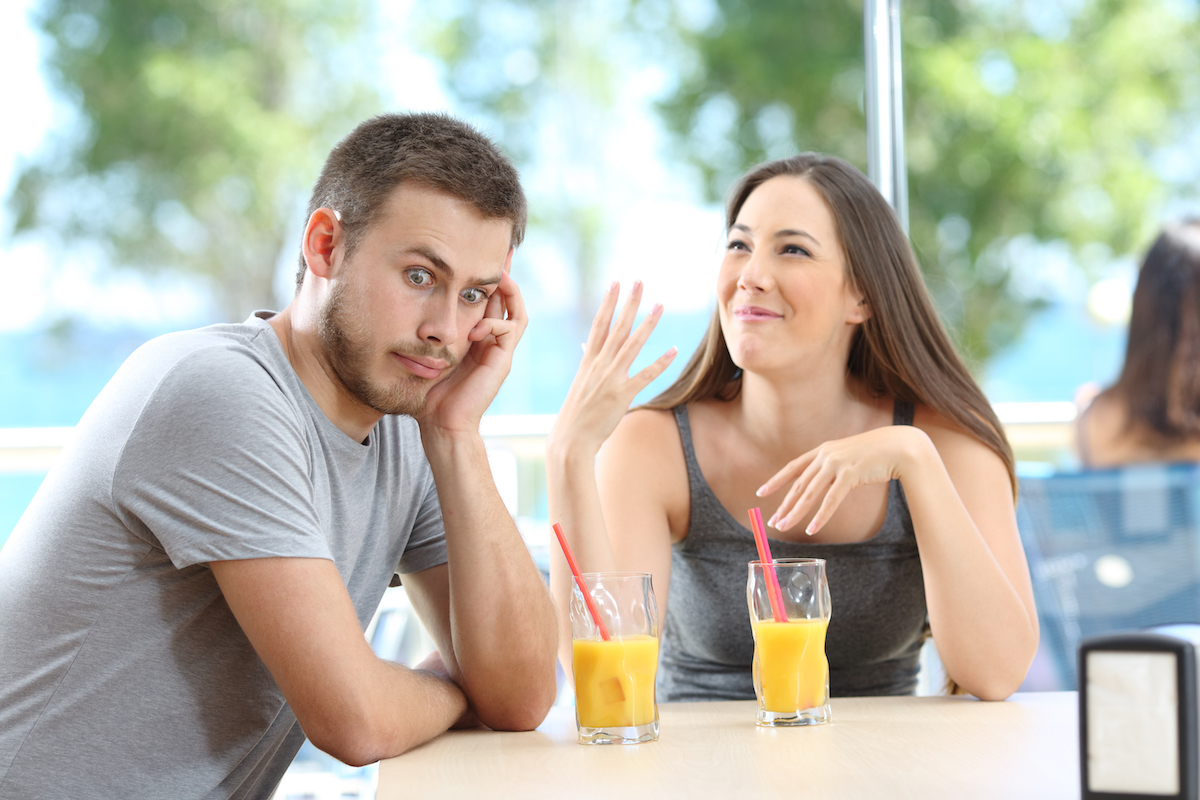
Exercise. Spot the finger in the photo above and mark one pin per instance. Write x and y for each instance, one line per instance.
(624, 322)
(788, 474)
(508, 260)
(505, 331)
(833, 498)
(514, 302)
(603, 319)
(644, 377)
(633, 345)
(811, 483)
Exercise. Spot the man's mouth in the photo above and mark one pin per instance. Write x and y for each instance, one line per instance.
(422, 366)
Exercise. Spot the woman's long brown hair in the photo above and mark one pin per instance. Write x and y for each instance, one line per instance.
(901, 350)
(1160, 381)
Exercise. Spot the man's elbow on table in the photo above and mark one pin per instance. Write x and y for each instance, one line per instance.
(517, 707)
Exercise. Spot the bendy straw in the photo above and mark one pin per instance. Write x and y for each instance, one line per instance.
(587, 596)
(774, 594)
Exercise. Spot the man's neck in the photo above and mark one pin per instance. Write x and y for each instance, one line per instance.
(301, 343)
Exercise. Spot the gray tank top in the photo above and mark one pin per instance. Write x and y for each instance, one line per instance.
(876, 588)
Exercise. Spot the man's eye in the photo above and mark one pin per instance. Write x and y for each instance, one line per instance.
(474, 296)
(419, 277)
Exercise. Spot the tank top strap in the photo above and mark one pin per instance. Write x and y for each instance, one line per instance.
(689, 451)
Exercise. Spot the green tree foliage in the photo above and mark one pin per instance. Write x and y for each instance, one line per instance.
(200, 128)
(545, 78)
(1028, 122)
(1027, 119)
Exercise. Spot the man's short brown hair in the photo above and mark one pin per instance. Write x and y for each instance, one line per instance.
(434, 150)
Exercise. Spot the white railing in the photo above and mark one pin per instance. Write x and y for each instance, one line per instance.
(1035, 430)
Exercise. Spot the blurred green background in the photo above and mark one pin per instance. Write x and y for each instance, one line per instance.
(157, 156)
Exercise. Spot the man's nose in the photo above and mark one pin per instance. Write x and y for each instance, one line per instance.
(439, 320)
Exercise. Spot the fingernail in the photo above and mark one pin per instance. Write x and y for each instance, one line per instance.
(657, 308)
(612, 287)
(637, 285)
(759, 491)
(809, 530)
(781, 524)
(673, 350)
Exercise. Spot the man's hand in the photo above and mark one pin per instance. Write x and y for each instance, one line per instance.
(456, 404)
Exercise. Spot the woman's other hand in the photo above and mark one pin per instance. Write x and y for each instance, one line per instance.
(822, 477)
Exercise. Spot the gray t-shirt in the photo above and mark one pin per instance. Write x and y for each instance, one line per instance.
(122, 671)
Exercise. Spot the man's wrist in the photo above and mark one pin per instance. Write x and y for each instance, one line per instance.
(444, 443)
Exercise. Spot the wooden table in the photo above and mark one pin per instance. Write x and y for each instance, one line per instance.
(893, 747)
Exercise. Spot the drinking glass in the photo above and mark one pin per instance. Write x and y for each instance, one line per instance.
(791, 673)
(614, 679)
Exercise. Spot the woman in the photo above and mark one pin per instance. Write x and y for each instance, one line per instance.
(827, 393)
(1152, 412)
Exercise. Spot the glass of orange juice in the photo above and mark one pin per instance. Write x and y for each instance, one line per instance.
(791, 674)
(614, 678)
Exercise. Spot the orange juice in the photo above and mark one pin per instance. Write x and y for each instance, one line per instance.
(789, 664)
(614, 681)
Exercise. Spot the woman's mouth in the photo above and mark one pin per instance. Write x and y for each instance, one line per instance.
(754, 314)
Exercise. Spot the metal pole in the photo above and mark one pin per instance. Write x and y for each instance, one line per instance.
(884, 104)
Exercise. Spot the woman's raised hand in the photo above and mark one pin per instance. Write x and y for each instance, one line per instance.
(823, 476)
(603, 388)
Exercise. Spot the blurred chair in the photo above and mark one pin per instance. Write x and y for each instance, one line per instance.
(1110, 550)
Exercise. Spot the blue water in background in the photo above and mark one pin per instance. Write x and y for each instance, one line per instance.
(48, 378)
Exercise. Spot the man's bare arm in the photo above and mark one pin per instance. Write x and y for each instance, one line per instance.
(297, 614)
(488, 609)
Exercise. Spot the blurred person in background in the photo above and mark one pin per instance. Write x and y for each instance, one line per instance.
(827, 392)
(184, 600)
(1152, 411)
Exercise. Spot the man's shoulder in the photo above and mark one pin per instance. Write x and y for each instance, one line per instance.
(233, 358)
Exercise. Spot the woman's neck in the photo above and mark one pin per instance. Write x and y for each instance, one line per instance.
(801, 413)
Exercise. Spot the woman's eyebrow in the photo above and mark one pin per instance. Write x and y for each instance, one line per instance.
(786, 232)
(783, 234)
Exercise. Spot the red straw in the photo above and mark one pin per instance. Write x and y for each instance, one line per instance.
(587, 596)
(774, 594)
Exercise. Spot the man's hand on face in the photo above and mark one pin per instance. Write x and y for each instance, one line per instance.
(456, 404)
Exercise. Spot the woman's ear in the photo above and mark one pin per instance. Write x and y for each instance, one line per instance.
(859, 311)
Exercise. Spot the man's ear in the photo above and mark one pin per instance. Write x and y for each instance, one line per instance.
(323, 235)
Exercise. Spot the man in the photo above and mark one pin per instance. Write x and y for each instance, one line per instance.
(184, 599)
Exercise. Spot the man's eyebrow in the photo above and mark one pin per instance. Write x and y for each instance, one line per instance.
(441, 266)
(783, 234)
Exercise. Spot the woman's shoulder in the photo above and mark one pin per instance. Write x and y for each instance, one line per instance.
(645, 440)
(643, 460)
(951, 439)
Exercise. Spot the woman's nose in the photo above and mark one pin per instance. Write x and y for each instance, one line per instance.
(754, 276)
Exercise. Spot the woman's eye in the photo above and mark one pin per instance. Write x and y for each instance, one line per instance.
(419, 277)
(474, 296)
(795, 250)
(737, 244)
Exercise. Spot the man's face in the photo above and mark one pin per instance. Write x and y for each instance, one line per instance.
(396, 319)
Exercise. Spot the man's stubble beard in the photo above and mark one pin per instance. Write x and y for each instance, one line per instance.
(350, 357)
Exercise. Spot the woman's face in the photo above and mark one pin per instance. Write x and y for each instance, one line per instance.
(783, 293)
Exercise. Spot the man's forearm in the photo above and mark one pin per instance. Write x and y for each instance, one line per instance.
(501, 616)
